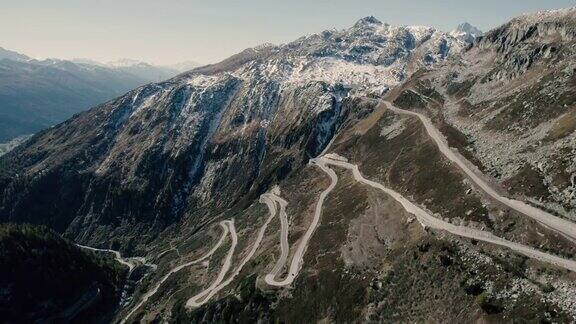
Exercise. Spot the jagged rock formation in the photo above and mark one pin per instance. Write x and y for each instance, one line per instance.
(466, 33)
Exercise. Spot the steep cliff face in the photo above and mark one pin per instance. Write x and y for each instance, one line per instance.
(174, 149)
(526, 40)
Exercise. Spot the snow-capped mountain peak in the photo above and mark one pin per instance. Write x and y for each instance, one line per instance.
(466, 32)
(368, 21)
(367, 57)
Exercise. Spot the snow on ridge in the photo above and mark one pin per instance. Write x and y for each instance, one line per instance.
(544, 15)
(263, 46)
(420, 32)
(334, 71)
(370, 56)
(201, 80)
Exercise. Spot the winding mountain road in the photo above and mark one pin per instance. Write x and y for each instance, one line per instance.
(560, 225)
(200, 298)
(428, 220)
(154, 290)
(219, 284)
(275, 199)
(277, 206)
(297, 258)
(129, 262)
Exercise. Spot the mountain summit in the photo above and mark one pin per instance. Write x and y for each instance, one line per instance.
(466, 32)
(369, 20)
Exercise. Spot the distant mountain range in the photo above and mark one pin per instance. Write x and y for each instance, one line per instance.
(11, 55)
(35, 94)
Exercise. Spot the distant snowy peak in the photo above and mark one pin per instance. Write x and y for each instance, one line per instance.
(466, 33)
(159, 72)
(125, 62)
(466, 28)
(367, 22)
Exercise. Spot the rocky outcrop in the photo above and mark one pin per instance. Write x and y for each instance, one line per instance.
(528, 39)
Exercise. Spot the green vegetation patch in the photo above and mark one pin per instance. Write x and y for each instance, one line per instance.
(43, 276)
(411, 164)
(410, 100)
(527, 181)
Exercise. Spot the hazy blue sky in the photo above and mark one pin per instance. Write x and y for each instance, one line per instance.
(206, 31)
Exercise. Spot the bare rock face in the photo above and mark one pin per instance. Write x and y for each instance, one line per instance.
(527, 39)
(208, 139)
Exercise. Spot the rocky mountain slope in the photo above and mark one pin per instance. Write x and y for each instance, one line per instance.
(511, 98)
(9, 146)
(220, 178)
